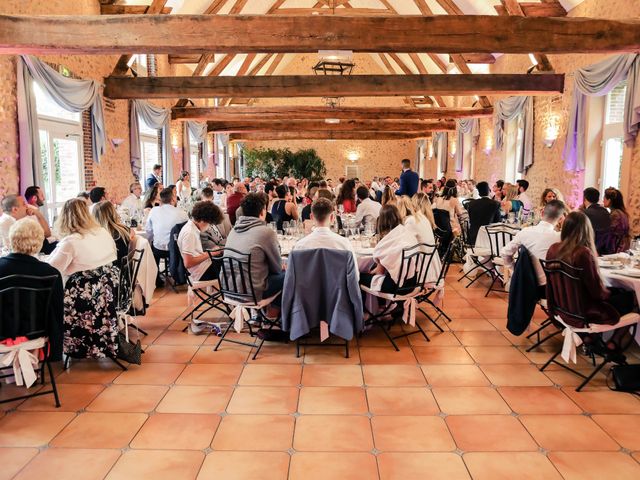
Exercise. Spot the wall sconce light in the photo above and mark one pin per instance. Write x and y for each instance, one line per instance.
(430, 149)
(488, 146)
(551, 131)
(453, 149)
(116, 142)
(353, 156)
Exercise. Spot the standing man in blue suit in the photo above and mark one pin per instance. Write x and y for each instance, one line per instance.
(154, 177)
(409, 180)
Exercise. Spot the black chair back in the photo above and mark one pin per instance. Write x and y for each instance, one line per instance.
(129, 267)
(446, 263)
(414, 268)
(466, 202)
(25, 304)
(564, 291)
(499, 236)
(235, 277)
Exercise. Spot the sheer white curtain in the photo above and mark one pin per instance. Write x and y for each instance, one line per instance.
(509, 109)
(155, 117)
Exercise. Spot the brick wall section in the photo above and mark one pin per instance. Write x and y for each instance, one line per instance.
(87, 147)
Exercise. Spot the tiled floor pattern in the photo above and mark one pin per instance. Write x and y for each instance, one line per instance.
(469, 404)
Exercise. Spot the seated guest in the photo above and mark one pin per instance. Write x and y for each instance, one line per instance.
(415, 221)
(537, 240)
(388, 196)
(306, 211)
(132, 202)
(215, 236)
(84, 244)
(601, 305)
(14, 208)
(151, 198)
(204, 215)
(322, 237)
(449, 202)
(423, 209)
(600, 219)
(548, 194)
(620, 238)
(25, 240)
(251, 235)
(160, 222)
(483, 211)
(85, 197)
(347, 196)
(427, 187)
(523, 186)
(34, 196)
(394, 236)
(510, 202)
(97, 195)
(367, 209)
(234, 199)
(283, 209)
(108, 219)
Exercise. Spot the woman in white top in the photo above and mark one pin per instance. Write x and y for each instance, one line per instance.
(84, 244)
(415, 221)
(183, 186)
(394, 237)
(449, 202)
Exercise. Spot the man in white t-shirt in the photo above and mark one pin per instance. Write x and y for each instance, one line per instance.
(13, 209)
(196, 260)
(322, 236)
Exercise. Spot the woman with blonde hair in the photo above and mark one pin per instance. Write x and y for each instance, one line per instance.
(414, 220)
(388, 196)
(107, 217)
(422, 206)
(84, 244)
(510, 202)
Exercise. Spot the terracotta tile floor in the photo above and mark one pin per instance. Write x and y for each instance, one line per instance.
(471, 403)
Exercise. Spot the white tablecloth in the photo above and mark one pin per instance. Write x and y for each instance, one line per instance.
(613, 278)
(148, 268)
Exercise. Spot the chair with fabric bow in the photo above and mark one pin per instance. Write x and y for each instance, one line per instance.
(567, 309)
(25, 306)
(237, 289)
(414, 268)
(499, 236)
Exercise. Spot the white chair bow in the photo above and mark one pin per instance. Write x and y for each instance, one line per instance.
(239, 314)
(24, 359)
(409, 311)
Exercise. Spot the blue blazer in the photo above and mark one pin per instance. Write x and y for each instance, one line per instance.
(409, 181)
(150, 181)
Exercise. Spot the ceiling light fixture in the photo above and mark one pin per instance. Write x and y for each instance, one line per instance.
(332, 120)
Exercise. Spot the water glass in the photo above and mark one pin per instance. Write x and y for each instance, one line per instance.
(285, 226)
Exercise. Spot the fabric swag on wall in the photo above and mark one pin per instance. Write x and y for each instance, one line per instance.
(155, 117)
(465, 126)
(508, 109)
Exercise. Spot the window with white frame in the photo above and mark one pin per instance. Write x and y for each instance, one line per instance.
(613, 137)
(149, 149)
(61, 152)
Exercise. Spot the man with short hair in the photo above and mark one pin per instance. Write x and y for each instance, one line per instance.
(600, 218)
(14, 208)
(132, 202)
(409, 180)
(161, 220)
(426, 187)
(322, 236)
(367, 208)
(251, 235)
(154, 177)
(34, 196)
(537, 240)
(97, 195)
(483, 211)
(523, 185)
(204, 215)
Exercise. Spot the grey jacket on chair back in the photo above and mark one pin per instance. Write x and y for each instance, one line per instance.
(321, 284)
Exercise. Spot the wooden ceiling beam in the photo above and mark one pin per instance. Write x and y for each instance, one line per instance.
(332, 86)
(450, 7)
(122, 66)
(322, 126)
(328, 135)
(179, 34)
(129, 10)
(531, 9)
(485, 58)
(222, 114)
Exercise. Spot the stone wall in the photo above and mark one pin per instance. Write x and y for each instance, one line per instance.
(548, 169)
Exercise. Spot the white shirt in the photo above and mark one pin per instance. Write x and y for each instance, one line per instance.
(537, 240)
(6, 221)
(133, 204)
(388, 253)
(526, 201)
(323, 237)
(190, 244)
(160, 222)
(421, 229)
(367, 207)
(76, 252)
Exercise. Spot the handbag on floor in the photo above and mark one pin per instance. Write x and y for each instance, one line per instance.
(130, 352)
(626, 378)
